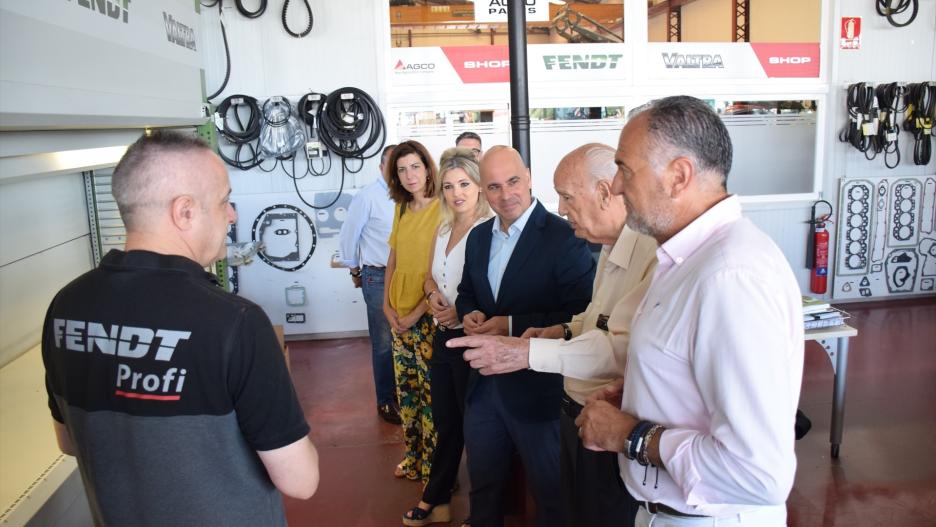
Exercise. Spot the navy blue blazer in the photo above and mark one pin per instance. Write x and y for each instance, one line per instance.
(548, 279)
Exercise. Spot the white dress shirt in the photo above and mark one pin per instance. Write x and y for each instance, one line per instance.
(595, 358)
(365, 231)
(716, 356)
(447, 268)
(503, 245)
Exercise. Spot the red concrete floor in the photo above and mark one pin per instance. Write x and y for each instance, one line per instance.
(886, 473)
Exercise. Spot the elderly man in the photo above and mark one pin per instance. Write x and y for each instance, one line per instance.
(173, 393)
(364, 250)
(704, 426)
(523, 268)
(593, 352)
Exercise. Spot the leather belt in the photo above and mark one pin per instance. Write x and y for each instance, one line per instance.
(378, 267)
(570, 407)
(659, 508)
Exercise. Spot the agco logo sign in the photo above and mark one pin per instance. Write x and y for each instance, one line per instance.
(680, 60)
(581, 62)
(413, 67)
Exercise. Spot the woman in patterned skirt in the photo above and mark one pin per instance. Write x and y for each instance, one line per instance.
(411, 175)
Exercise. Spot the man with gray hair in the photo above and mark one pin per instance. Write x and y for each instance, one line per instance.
(704, 421)
(590, 350)
(172, 393)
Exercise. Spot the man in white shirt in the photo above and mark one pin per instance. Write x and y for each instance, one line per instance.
(364, 250)
(590, 350)
(704, 424)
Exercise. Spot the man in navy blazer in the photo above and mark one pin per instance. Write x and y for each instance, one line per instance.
(523, 268)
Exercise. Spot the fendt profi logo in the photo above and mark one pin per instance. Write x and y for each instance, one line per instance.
(179, 33)
(116, 9)
(413, 67)
(129, 342)
(701, 60)
(582, 62)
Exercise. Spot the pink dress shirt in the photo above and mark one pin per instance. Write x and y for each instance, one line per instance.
(716, 356)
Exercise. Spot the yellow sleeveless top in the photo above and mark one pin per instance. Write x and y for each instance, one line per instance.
(411, 241)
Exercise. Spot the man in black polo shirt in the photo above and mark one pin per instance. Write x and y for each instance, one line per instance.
(173, 393)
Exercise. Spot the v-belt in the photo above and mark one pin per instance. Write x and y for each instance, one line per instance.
(244, 135)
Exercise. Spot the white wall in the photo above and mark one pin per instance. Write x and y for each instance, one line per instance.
(44, 243)
(887, 54)
(345, 48)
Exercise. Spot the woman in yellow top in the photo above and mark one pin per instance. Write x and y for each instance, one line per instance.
(411, 175)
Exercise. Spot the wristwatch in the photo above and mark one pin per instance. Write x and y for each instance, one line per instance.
(566, 331)
(355, 272)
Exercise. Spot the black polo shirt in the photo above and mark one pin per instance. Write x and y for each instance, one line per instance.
(168, 386)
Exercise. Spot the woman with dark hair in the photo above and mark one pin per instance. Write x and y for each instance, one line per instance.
(463, 207)
(411, 175)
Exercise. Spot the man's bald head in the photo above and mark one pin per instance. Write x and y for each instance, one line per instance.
(506, 184)
(503, 155)
(154, 170)
(583, 182)
(589, 163)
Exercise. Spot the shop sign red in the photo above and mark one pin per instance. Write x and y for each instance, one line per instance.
(788, 60)
(475, 64)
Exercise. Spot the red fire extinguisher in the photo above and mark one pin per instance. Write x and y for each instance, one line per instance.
(817, 253)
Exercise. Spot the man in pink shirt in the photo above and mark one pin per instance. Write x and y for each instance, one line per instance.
(704, 420)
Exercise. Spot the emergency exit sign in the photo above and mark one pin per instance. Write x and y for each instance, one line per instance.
(496, 10)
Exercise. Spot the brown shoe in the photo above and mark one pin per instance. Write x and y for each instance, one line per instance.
(389, 414)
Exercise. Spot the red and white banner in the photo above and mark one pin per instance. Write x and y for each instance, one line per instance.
(601, 62)
(486, 64)
(732, 60)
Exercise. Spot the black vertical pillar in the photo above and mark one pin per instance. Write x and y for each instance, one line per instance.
(519, 92)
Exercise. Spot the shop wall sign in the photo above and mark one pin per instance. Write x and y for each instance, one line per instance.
(732, 60)
(491, 64)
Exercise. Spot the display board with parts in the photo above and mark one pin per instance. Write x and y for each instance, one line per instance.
(291, 275)
(886, 237)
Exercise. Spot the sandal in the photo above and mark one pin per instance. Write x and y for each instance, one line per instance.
(417, 517)
(400, 472)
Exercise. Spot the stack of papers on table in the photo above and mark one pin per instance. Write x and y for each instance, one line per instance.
(818, 313)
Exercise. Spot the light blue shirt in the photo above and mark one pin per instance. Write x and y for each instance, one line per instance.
(503, 245)
(366, 230)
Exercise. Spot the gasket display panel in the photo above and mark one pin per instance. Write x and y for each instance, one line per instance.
(885, 237)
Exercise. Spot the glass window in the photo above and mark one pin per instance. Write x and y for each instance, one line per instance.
(722, 21)
(774, 145)
(422, 23)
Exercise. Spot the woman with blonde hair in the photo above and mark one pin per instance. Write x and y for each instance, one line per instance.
(411, 179)
(463, 207)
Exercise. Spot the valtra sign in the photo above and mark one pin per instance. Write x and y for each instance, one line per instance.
(733, 60)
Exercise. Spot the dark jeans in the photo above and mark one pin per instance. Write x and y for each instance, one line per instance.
(372, 285)
(594, 494)
(492, 434)
(449, 373)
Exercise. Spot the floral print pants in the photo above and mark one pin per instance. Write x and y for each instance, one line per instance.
(411, 353)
